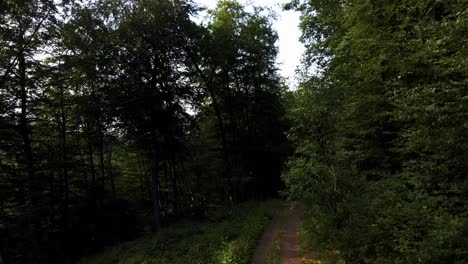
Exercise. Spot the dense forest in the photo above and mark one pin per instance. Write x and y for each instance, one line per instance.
(380, 130)
(117, 116)
(120, 118)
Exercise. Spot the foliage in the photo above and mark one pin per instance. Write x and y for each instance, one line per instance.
(379, 132)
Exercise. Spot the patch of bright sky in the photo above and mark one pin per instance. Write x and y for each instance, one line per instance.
(287, 27)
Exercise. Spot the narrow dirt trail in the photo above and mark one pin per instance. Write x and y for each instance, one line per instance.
(268, 236)
(290, 249)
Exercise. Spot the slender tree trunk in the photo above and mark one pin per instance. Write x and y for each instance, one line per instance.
(220, 122)
(28, 154)
(66, 200)
(24, 126)
(111, 174)
(93, 172)
(83, 164)
(234, 142)
(95, 202)
(101, 155)
(146, 186)
(175, 191)
(209, 86)
(156, 192)
(91, 167)
(222, 130)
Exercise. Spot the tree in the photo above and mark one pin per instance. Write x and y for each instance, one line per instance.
(235, 62)
(152, 84)
(25, 30)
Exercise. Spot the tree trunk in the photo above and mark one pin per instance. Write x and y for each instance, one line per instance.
(63, 136)
(110, 172)
(28, 155)
(93, 173)
(209, 86)
(231, 193)
(155, 192)
(101, 155)
(220, 122)
(24, 126)
(175, 191)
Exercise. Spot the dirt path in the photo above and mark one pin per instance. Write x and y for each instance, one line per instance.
(290, 247)
(268, 236)
(290, 244)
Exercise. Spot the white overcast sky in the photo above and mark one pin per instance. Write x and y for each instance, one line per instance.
(286, 24)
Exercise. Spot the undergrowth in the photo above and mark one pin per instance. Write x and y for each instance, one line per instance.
(230, 237)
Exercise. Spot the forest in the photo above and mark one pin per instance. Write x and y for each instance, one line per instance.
(129, 133)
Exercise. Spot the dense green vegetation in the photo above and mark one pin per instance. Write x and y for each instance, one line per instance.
(230, 236)
(380, 129)
(119, 117)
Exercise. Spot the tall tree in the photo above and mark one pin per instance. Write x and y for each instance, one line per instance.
(24, 27)
(236, 65)
(152, 84)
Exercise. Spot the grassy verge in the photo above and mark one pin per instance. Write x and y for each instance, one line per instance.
(230, 239)
(273, 254)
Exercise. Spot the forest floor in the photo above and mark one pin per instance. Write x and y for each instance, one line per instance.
(280, 243)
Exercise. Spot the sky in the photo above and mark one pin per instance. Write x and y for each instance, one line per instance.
(287, 27)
